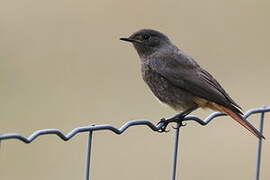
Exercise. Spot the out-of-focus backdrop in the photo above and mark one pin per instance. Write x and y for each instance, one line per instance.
(62, 66)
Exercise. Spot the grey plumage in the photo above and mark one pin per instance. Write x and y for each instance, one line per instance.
(178, 80)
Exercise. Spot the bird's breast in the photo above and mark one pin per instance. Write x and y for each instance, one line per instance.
(166, 92)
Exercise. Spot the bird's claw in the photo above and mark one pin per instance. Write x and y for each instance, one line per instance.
(165, 123)
(164, 126)
(179, 125)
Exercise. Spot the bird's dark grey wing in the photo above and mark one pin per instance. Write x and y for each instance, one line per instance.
(211, 80)
(182, 71)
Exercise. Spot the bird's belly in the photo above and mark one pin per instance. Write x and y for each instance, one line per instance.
(166, 92)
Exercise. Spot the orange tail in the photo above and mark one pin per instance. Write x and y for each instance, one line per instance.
(240, 120)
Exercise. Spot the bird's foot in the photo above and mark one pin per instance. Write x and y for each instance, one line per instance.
(179, 118)
(165, 122)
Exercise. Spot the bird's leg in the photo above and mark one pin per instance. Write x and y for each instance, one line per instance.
(177, 119)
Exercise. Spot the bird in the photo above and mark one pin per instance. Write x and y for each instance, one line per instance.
(177, 80)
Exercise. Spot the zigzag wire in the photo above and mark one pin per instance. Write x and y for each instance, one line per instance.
(122, 129)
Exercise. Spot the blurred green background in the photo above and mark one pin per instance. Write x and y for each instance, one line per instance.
(62, 66)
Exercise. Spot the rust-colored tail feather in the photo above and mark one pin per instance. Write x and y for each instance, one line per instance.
(240, 120)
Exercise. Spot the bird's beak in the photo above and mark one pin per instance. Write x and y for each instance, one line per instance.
(130, 40)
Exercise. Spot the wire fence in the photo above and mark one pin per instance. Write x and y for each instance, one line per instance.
(90, 129)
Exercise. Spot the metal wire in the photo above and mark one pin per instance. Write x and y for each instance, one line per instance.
(259, 148)
(175, 151)
(88, 156)
(90, 129)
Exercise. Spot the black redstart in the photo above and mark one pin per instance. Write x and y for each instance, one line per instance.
(177, 80)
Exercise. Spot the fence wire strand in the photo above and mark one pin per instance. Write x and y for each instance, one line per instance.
(90, 129)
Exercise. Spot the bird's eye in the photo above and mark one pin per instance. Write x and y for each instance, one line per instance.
(146, 37)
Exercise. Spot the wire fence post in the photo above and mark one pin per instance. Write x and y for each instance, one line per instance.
(259, 148)
(175, 150)
(88, 155)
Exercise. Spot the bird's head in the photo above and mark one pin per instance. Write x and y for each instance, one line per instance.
(148, 41)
